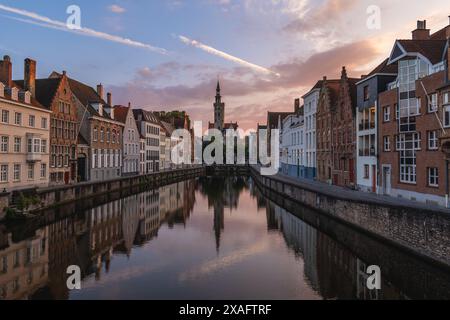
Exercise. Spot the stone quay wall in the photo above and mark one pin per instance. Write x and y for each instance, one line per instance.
(55, 196)
(418, 230)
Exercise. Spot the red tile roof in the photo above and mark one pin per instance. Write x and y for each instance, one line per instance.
(121, 113)
(433, 50)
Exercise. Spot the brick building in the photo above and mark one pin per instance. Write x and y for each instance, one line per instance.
(325, 112)
(101, 131)
(55, 94)
(415, 121)
(336, 131)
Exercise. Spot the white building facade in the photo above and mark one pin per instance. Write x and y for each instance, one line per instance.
(310, 101)
(149, 127)
(292, 146)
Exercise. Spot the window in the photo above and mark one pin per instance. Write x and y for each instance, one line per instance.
(446, 110)
(18, 119)
(37, 145)
(366, 93)
(387, 114)
(43, 146)
(446, 98)
(4, 144)
(366, 171)
(30, 146)
(433, 140)
(433, 103)
(5, 116)
(44, 123)
(4, 173)
(95, 134)
(17, 144)
(43, 170)
(17, 172)
(433, 177)
(407, 145)
(31, 171)
(32, 121)
(387, 143)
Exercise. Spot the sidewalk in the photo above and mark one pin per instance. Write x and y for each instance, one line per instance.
(354, 195)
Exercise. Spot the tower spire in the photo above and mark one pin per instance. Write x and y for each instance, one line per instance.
(218, 87)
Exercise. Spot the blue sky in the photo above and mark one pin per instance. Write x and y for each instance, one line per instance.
(298, 40)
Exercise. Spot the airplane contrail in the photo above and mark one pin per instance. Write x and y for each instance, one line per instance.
(226, 56)
(55, 24)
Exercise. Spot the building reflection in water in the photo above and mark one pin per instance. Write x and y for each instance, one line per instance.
(34, 258)
(222, 194)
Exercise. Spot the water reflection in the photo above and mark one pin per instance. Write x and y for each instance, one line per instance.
(212, 238)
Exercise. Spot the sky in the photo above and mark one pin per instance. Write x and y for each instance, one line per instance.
(168, 55)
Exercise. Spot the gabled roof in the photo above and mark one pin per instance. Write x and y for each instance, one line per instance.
(168, 128)
(88, 96)
(430, 49)
(273, 117)
(146, 116)
(85, 93)
(121, 113)
(332, 87)
(317, 86)
(385, 68)
(45, 92)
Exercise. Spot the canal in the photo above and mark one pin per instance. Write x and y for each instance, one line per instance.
(209, 238)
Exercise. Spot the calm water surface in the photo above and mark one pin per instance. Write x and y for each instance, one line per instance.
(203, 239)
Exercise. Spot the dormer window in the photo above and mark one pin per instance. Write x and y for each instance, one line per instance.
(14, 93)
(25, 97)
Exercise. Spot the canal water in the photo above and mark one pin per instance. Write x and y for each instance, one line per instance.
(210, 238)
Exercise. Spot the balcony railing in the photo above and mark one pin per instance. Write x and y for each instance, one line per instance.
(368, 152)
(366, 125)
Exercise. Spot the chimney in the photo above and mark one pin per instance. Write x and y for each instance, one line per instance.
(344, 73)
(100, 90)
(421, 33)
(297, 106)
(111, 113)
(109, 99)
(29, 79)
(6, 71)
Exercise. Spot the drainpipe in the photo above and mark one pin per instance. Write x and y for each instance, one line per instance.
(446, 185)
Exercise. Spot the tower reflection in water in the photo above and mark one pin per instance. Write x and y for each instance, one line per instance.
(35, 255)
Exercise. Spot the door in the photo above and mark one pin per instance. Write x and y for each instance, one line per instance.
(386, 180)
(336, 180)
(351, 171)
(82, 168)
(66, 177)
(374, 179)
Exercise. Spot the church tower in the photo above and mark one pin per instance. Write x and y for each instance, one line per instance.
(219, 110)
